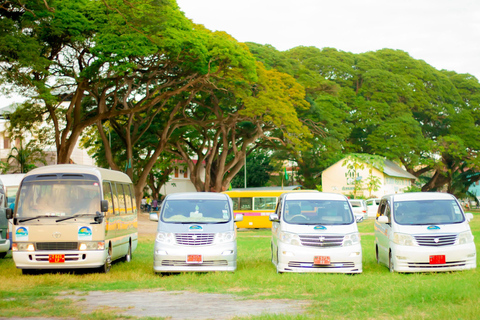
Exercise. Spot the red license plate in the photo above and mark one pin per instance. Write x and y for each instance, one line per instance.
(194, 258)
(321, 260)
(56, 258)
(440, 259)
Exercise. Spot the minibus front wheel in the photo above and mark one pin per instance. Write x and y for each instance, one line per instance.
(128, 256)
(391, 266)
(108, 262)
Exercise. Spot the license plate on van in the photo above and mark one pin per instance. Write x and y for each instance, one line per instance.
(438, 259)
(323, 260)
(194, 258)
(56, 258)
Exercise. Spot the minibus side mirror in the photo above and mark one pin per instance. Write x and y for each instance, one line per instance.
(274, 218)
(238, 217)
(383, 219)
(103, 205)
(359, 219)
(469, 216)
(153, 216)
(9, 213)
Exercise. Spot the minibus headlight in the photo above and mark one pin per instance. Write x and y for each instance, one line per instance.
(465, 237)
(290, 238)
(351, 239)
(403, 239)
(223, 237)
(84, 246)
(165, 237)
(23, 246)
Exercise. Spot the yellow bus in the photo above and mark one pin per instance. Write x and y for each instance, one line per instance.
(71, 217)
(256, 205)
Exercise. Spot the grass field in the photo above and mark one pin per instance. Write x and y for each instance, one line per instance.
(375, 294)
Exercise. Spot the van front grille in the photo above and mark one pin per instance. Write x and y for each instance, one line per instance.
(182, 263)
(43, 246)
(437, 240)
(447, 264)
(194, 239)
(300, 264)
(321, 241)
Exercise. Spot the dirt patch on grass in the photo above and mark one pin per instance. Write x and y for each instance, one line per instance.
(177, 305)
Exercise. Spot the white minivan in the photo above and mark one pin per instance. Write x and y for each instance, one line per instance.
(423, 231)
(196, 232)
(315, 232)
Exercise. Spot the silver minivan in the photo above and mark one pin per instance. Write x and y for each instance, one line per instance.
(196, 232)
(315, 232)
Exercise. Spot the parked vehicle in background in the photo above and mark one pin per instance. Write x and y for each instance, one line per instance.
(4, 236)
(72, 217)
(315, 232)
(359, 208)
(424, 231)
(196, 232)
(372, 207)
(10, 183)
(256, 205)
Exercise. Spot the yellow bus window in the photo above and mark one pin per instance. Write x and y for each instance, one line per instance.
(236, 203)
(246, 203)
(265, 203)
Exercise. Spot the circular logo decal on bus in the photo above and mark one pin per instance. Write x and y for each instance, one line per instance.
(21, 233)
(84, 233)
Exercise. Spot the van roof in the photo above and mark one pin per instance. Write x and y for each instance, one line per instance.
(420, 196)
(196, 196)
(75, 168)
(313, 196)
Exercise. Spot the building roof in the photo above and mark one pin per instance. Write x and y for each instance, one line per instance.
(390, 168)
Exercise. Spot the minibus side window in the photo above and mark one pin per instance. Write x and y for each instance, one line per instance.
(128, 198)
(115, 199)
(264, 203)
(107, 195)
(121, 198)
(236, 203)
(245, 203)
(134, 202)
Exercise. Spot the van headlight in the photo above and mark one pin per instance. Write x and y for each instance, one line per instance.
(351, 239)
(23, 246)
(223, 237)
(86, 246)
(165, 237)
(403, 239)
(289, 238)
(465, 237)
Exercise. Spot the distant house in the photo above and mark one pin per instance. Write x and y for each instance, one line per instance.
(179, 179)
(338, 178)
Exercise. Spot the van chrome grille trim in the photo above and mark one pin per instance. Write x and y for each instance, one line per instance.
(68, 257)
(318, 240)
(194, 239)
(436, 266)
(310, 265)
(205, 263)
(436, 240)
(42, 246)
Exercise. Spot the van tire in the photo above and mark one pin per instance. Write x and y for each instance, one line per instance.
(2, 255)
(390, 263)
(376, 255)
(128, 256)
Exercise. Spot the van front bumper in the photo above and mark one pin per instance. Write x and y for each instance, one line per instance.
(4, 245)
(417, 259)
(173, 258)
(73, 259)
(301, 259)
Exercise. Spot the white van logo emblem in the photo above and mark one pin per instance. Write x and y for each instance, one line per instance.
(321, 239)
(56, 234)
(436, 240)
(194, 237)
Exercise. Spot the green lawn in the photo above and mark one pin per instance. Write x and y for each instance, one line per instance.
(374, 294)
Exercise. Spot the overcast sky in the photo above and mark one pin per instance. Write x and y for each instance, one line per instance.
(444, 33)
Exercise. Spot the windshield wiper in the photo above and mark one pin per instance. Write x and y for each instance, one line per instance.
(77, 215)
(33, 218)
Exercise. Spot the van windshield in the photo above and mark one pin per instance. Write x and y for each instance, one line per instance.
(195, 211)
(421, 212)
(329, 212)
(58, 198)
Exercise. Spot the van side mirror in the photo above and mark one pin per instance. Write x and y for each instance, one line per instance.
(238, 217)
(469, 216)
(103, 205)
(153, 216)
(383, 219)
(359, 219)
(9, 213)
(274, 218)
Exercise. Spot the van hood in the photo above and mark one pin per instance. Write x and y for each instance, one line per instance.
(433, 228)
(320, 228)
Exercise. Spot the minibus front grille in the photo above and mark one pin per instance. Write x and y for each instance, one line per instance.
(310, 265)
(194, 239)
(205, 263)
(447, 264)
(43, 246)
(437, 240)
(321, 241)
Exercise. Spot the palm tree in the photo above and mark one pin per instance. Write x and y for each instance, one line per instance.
(26, 157)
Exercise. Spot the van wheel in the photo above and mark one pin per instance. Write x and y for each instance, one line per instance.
(108, 263)
(376, 255)
(128, 256)
(390, 263)
(276, 265)
(29, 271)
(2, 255)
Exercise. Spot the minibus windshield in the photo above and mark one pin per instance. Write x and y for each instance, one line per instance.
(195, 211)
(421, 212)
(58, 198)
(329, 212)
